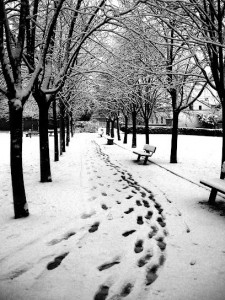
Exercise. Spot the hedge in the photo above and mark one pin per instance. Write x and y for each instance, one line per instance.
(183, 130)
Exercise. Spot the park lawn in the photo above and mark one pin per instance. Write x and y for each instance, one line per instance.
(108, 225)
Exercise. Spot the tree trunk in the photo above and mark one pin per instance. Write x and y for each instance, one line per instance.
(62, 129)
(44, 143)
(222, 175)
(146, 131)
(71, 125)
(107, 127)
(118, 128)
(56, 138)
(67, 129)
(134, 134)
(173, 153)
(125, 130)
(112, 128)
(16, 137)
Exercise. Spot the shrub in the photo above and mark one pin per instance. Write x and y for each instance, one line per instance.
(184, 130)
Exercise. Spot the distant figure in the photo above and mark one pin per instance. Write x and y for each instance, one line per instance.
(100, 132)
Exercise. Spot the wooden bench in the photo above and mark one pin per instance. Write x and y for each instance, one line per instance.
(109, 140)
(30, 133)
(216, 185)
(147, 152)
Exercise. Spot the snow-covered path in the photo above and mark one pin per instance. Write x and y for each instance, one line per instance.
(108, 227)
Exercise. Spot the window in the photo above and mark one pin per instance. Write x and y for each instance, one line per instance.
(161, 120)
(200, 107)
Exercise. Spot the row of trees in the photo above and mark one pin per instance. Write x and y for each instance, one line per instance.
(139, 54)
(167, 52)
(149, 70)
(41, 43)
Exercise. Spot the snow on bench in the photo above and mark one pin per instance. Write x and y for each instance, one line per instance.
(147, 152)
(216, 185)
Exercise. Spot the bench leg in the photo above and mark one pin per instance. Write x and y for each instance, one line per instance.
(212, 196)
(146, 159)
(139, 156)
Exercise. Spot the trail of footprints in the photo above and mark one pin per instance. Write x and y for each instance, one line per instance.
(141, 199)
(138, 198)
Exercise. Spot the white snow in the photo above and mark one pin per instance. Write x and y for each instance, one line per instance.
(109, 227)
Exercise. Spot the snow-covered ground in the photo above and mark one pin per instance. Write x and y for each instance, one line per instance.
(109, 227)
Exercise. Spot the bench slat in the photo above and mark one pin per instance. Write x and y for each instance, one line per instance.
(216, 183)
(142, 153)
(147, 152)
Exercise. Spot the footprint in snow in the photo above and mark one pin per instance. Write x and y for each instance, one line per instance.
(108, 265)
(57, 261)
(140, 220)
(161, 244)
(153, 232)
(102, 293)
(105, 207)
(65, 237)
(126, 233)
(144, 260)
(129, 210)
(161, 222)
(146, 204)
(94, 227)
(151, 275)
(87, 215)
(138, 246)
(149, 215)
(126, 290)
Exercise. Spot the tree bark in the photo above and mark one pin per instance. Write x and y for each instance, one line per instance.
(107, 127)
(71, 125)
(112, 128)
(118, 128)
(222, 175)
(62, 129)
(173, 153)
(16, 137)
(67, 129)
(125, 129)
(134, 134)
(56, 138)
(146, 131)
(44, 143)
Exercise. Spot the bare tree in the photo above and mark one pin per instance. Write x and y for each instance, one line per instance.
(17, 38)
(28, 35)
